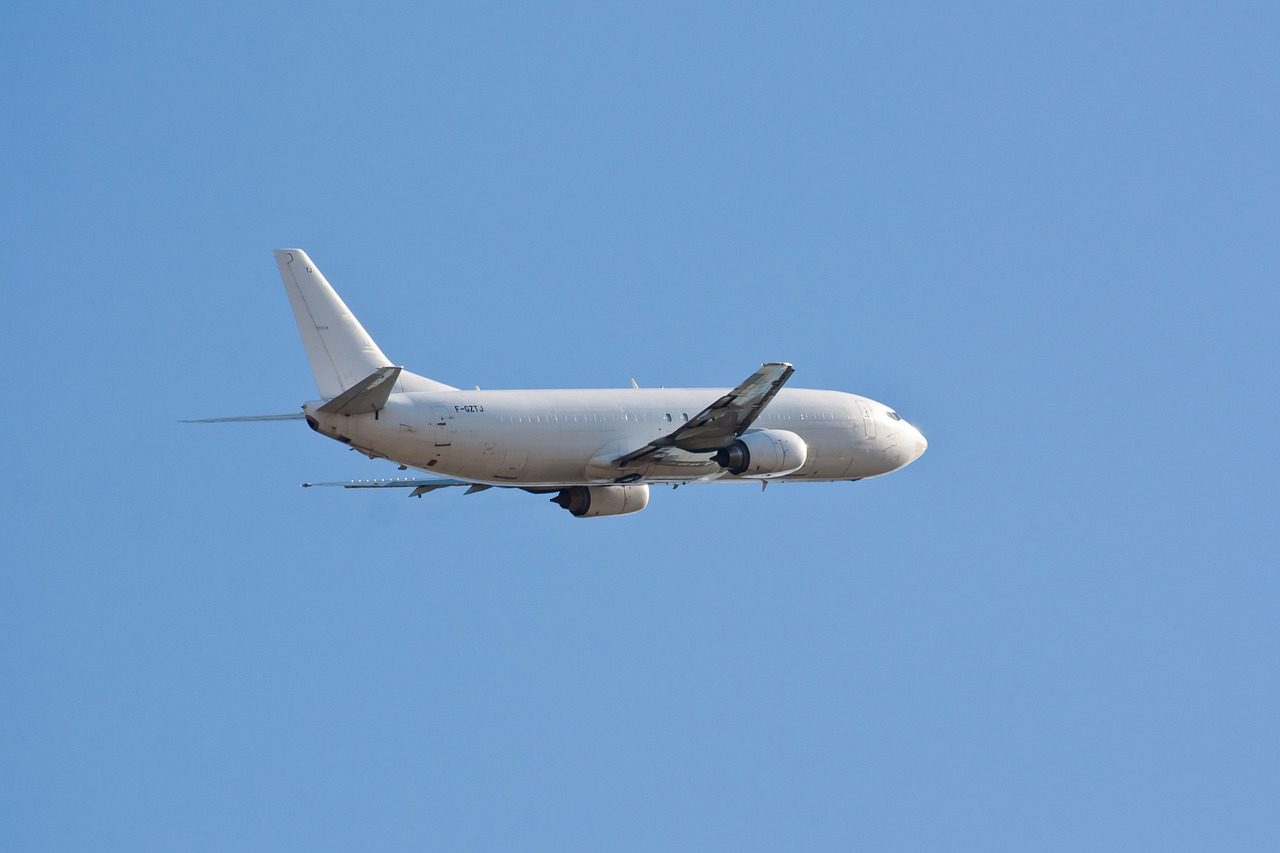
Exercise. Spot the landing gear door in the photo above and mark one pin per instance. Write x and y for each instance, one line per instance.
(442, 425)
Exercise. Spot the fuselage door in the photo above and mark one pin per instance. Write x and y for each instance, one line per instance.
(868, 419)
(442, 425)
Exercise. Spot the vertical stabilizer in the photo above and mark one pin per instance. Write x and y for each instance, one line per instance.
(339, 349)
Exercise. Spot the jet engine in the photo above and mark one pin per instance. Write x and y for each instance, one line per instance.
(764, 453)
(592, 501)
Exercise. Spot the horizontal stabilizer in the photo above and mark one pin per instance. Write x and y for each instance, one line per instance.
(368, 395)
(292, 416)
(420, 485)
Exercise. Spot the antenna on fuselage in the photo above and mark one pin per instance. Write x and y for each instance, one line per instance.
(633, 383)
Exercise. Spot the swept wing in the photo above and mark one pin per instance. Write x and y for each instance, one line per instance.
(719, 424)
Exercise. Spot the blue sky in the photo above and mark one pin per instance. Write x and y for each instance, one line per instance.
(1045, 233)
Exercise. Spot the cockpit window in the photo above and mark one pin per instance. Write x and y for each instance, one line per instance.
(894, 415)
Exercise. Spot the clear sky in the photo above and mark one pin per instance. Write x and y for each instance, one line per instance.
(1046, 233)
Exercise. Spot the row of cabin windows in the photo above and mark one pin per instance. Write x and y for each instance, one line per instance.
(581, 418)
(620, 417)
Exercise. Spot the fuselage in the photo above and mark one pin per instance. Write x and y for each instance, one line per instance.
(567, 437)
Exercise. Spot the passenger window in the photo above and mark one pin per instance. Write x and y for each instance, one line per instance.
(668, 417)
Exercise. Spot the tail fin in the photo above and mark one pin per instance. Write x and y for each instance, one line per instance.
(339, 349)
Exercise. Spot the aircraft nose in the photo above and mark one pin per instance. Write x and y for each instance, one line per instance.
(917, 444)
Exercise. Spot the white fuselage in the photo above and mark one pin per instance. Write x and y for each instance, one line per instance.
(570, 437)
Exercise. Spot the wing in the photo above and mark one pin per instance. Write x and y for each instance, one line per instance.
(420, 485)
(719, 424)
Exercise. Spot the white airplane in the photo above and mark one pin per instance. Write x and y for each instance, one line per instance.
(596, 451)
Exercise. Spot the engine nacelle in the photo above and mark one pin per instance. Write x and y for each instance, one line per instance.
(593, 501)
(764, 453)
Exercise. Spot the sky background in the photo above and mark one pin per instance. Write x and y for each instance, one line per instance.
(1046, 233)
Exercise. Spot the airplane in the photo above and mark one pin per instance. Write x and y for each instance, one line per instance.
(595, 451)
